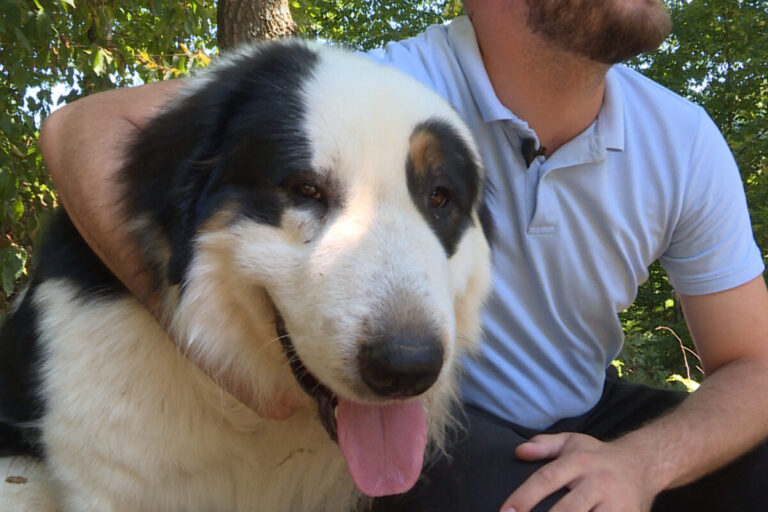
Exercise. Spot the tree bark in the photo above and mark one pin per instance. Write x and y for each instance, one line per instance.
(246, 20)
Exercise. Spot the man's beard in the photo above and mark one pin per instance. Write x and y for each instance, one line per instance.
(605, 31)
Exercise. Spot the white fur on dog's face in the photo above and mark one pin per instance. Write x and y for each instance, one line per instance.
(359, 258)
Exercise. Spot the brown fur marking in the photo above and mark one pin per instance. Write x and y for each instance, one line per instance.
(426, 151)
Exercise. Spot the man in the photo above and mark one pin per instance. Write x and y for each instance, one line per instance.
(597, 173)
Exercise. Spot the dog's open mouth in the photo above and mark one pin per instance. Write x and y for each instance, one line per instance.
(325, 398)
(382, 444)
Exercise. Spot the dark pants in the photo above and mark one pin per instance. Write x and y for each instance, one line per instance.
(482, 469)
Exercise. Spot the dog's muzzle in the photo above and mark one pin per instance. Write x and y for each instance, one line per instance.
(382, 442)
(401, 366)
(392, 367)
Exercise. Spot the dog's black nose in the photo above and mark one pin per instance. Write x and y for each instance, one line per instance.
(401, 366)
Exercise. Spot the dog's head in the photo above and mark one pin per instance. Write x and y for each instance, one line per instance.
(305, 203)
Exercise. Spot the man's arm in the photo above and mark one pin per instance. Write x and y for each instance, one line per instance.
(83, 145)
(723, 419)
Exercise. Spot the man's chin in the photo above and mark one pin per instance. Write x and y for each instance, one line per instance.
(608, 32)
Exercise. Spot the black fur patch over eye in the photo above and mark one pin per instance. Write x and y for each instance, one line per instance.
(233, 144)
(443, 179)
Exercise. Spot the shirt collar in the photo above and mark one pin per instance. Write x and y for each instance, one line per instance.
(462, 38)
(610, 119)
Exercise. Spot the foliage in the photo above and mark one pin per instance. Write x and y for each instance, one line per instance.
(366, 24)
(75, 47)
(651, 354)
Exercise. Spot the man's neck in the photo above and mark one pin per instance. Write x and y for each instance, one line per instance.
(558, 93)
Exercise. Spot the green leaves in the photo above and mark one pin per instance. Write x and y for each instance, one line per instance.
(67, 49)
(366, 24)
(99, 61)
(12, 261)
(690, 384)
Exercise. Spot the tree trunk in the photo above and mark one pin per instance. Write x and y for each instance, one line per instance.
(245, 20)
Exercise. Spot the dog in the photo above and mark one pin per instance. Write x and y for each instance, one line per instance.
(316, 226)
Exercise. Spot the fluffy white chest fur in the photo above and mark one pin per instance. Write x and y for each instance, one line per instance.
(167, 437)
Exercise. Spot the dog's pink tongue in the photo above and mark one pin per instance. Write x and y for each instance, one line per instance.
(383, 445)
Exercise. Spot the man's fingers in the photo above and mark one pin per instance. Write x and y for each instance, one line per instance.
(583, 497)
(545, 481)
(544, 446)
(279, 407)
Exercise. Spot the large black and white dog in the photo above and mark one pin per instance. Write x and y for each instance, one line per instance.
(316, 227)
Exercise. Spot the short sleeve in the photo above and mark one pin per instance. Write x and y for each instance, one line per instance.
(427, 57)
(409, 56)
(713, 246)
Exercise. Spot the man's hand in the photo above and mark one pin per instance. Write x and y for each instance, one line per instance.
(600, 476)
(278, 408)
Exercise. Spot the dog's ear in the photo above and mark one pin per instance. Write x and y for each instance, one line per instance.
(486, 217)
(227, 138)
(169, 166)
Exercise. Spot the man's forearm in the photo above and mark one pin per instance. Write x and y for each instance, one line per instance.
(83, 145)
(723, 419)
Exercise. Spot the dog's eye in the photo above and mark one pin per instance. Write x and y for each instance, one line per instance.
(439, 197)
(308, 190)
(303, 190)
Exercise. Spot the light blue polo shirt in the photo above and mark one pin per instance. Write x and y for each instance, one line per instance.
(651, 178)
